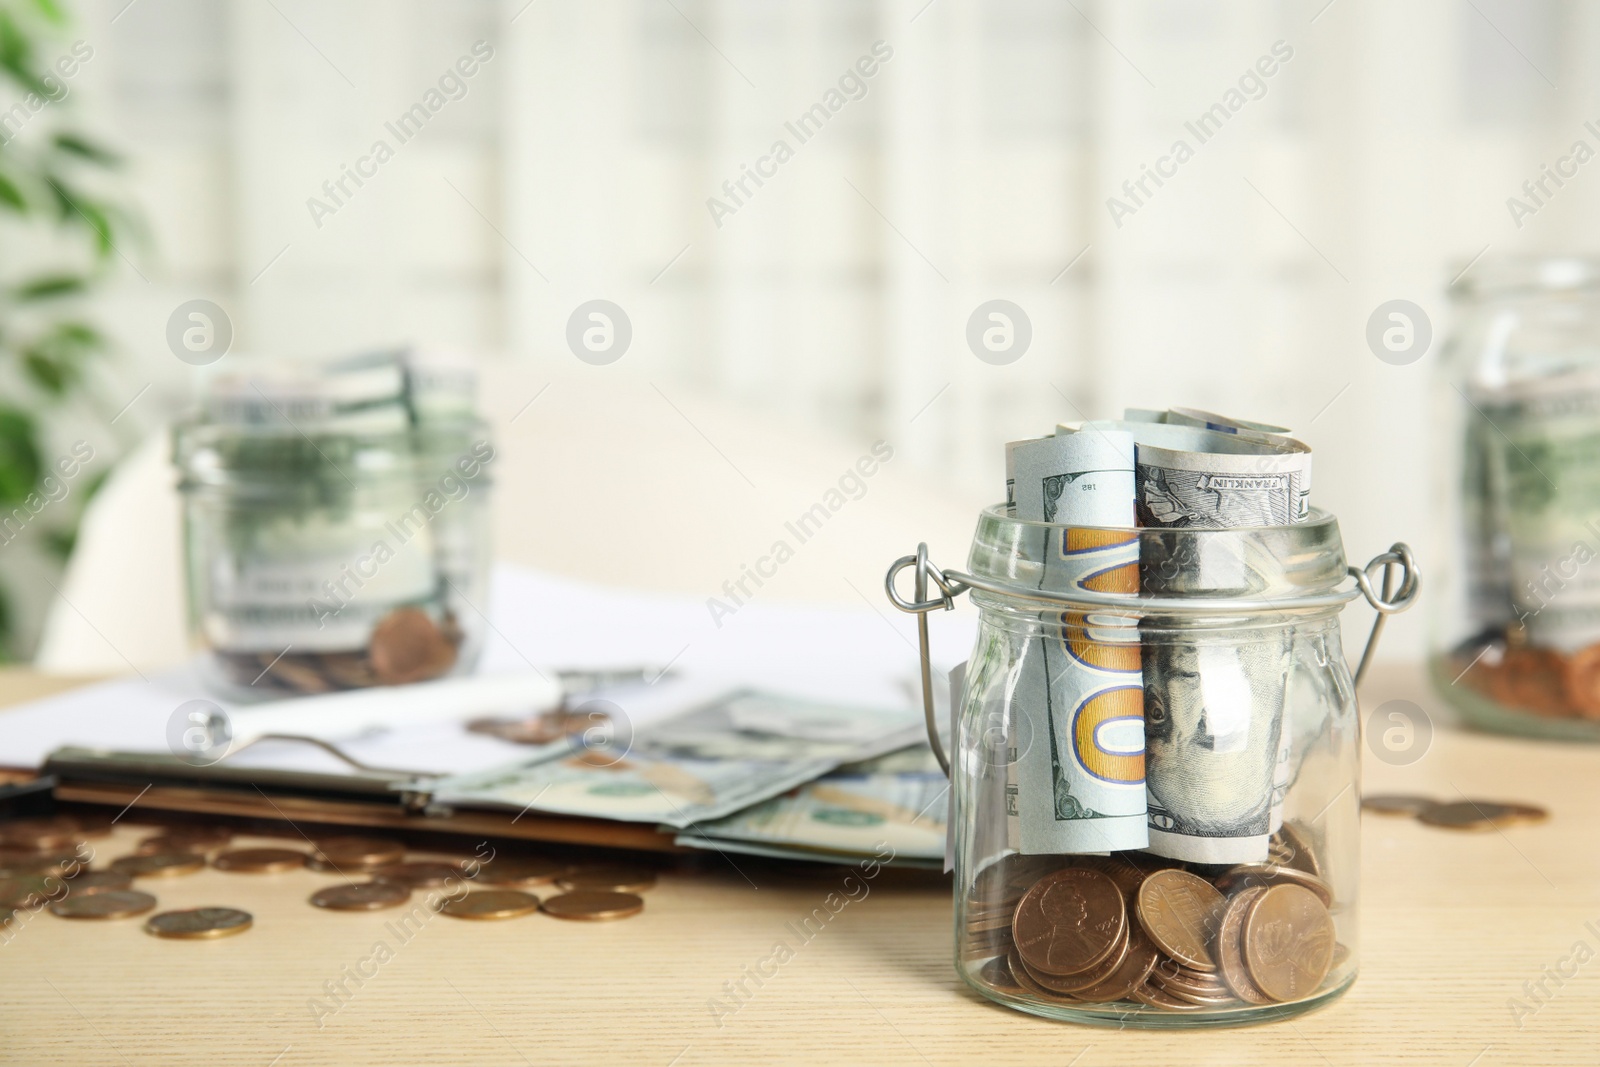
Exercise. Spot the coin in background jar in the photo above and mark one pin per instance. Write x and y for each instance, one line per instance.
(361, 896)
(164, 865)
(199, 924)
(614, 879)
(522, 870)
(1288, 942)
(592, 905)
(108, 904)
(491, 904)
(406, 646)
(1180, 911)
(1070, 921)
(259, 860)
(344, 853)
(1580, 681)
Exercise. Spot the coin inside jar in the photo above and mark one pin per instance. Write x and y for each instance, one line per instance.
(1288, 942)
(1180, 912)
(1069, 921)
(107, 904)
(614, 879)
(1267, 874)
(199, 924)
(362, 896)
(522, 870)
(1230, 947)
(161, 865)
(491, 904)
(259, 860)
(592, 905)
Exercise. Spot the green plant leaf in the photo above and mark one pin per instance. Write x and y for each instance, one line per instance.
(83, 148)
(50, 286)
(52, 11)
(20, 465)
(48, 372)
(60, 543)
(11, 196)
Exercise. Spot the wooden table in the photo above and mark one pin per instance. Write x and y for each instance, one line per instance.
(1453, 924)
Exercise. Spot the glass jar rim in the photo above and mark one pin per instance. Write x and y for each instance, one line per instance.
(1512, 276)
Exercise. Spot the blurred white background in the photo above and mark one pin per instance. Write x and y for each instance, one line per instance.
(1374, 163)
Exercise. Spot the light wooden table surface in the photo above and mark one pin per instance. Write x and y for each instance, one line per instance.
(1453, 926)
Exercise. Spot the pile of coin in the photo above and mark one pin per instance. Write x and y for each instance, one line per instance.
(406, 645)
(1455, 814)
(1137, 929)
(45, 865)
(1538, 681)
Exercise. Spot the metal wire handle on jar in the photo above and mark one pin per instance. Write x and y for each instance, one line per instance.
(1387, 602)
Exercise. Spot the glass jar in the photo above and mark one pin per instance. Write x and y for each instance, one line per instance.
(1156, 795)
(336, 529)
(1516, 634)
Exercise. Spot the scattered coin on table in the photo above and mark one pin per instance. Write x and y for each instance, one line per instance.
(522, 870)
(259, 860)
(59, 864)
(186, 839)
(611, 878)
(165, 865)
(198, 924)
(423, 874)
(107, 904)
(491, 904)
(361, 896)
(355, 853)
(592, 905)
(97, 881)
(1405, 804)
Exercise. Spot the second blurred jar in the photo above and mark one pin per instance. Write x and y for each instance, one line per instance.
(1517, 634)
(335, 524)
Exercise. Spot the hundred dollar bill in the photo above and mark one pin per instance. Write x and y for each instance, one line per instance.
(1541, 490)
(1206, 420)
(898, 800)
(1216, 760)
(702, 764)
(1076, 724)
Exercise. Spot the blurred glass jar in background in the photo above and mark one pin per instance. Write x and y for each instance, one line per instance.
(336, 524)
(1517, 628)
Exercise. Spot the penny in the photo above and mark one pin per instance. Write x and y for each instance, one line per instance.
(1264, 874)
(1292, 848)
(31, 890)
(1470, 815)
(41, 833)
(199, 924)
(419, 874)
(1070, 921)
(1580, 681)
(996, 974)
(1288, 942)
(1149, 994)
(187, 839)
(1024, 979)
(592, 905)
(1128, 876)
(616, 879)
(59, 864)
(406, 646)
(361, 896)
(522, 870)
(1094, 976)
(361, 853)
(1003, 882)
(1197, 987)
(1230, 947)
(1408, 804)
(164, 865)
(1179, 911)
(1525, 813)
(1137, 963)
(99, 881)
(259, 860)
(110, 904)
(491, 904)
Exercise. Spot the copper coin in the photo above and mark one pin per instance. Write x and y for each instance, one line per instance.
(199, 924)
(1180, 912)
(361, 896)
(109, 904)
(491, 904)
(1070, 921)
(1246, 875)
(199, 838)
(259, 860)
(165, 865)
(1230, 947)
(1199, 987)
(1480, 815)
(342, 853)
(1291, 847)
(1132, 973)
(1128, 876)
(1580, 681)
(996, 974)
(1533, 680)
(1002, 883)
(406, 646)
(592, 905)
(31, 890)
(617, 879)
(1149, 994)
(522, 870)
(1407, 804)
(59, 864)
(420, 874)
(99, 881)
(1094, 976)
(1288, 942)
(1024, 978)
